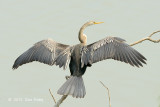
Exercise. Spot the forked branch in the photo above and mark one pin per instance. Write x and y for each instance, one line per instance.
(60, 101)
(147, 38)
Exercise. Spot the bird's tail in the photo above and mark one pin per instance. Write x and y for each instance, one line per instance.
(73, 86)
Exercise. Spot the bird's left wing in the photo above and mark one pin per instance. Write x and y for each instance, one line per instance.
(111, 48)
(46, 51)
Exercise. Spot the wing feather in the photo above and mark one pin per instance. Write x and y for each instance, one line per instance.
(45, 51)
(112, 48)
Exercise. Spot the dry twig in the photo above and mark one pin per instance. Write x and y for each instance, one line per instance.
(147, 38)
(52, 96)
(108, 93)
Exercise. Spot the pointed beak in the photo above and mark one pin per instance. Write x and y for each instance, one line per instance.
(98, 22)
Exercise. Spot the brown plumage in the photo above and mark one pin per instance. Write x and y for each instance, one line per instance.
(79, 57)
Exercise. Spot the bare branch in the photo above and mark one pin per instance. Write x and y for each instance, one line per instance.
(108, 93)
(147, 38)
(52, 96)
(60, 101)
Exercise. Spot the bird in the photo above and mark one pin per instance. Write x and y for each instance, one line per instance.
(80, 56)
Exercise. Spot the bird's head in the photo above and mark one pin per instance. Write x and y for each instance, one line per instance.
(92, 23)
(83, 37)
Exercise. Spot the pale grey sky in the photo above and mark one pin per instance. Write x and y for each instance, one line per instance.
(25, 22)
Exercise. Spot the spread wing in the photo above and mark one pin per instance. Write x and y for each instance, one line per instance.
(47, 52)
(111, 48)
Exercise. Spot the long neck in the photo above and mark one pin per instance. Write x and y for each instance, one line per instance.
(82, 37)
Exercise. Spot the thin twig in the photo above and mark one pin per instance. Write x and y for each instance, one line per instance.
(154, 33)
(52, 96)
(108, 93)
(147, 38)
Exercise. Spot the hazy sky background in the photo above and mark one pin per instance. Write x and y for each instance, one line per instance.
(25, 22)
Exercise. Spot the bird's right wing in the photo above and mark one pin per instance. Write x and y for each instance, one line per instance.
(111, 48)
(47, 52)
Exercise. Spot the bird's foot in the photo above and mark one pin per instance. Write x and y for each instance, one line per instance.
(89, 65)
(67, 77)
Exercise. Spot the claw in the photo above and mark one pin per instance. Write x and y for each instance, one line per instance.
(67, 77)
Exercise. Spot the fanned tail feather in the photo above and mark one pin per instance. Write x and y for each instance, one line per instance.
(73, 86)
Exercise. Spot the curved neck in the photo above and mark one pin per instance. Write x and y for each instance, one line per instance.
(81, 36)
